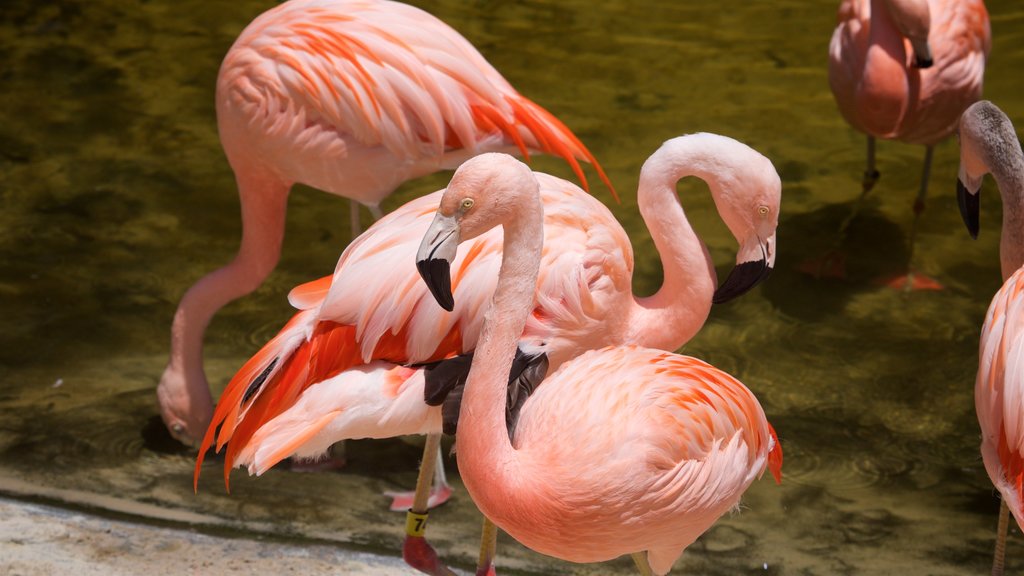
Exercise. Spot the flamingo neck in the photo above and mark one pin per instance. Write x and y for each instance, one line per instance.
(1009, 176)
(671, 316)
(883, 89)
(487, 461)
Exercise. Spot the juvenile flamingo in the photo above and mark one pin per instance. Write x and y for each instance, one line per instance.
(988, 143)
(353, 97)
(622, 450)
(374, 314)
(905, 70)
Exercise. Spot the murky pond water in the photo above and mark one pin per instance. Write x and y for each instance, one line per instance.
(116, 197)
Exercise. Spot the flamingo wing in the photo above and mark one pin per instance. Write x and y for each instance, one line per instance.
(376, 82)
(660, 432)
(999, 392)
(375, 307)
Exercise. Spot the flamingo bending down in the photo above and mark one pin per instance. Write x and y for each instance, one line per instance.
(905, 70)
(622, 450)
(374, 308)
(353, 97)
(988, 143)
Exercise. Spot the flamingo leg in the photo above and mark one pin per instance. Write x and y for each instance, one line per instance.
(416, 551)
(439, 492)
(640, 559)
(912, 280)
(1000, 552)
(488, 549)
(353, 219)
(871, 174)
(376, 211)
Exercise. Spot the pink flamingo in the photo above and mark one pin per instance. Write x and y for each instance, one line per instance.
(622, 450)
(905, 70)
(374, 314)
(353, 97)
(988, 143)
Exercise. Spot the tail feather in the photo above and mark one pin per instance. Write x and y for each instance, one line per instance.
(775, 456)
(556, 139)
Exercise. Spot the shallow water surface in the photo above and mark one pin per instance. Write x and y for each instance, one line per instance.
(117, 197)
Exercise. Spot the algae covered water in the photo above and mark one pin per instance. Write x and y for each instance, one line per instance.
(116, 197)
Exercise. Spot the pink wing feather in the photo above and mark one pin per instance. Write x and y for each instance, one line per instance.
(375, 307)
(999, 392)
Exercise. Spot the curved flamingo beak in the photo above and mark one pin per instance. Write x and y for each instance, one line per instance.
(754, 263)
(435, 256)
(970, 204)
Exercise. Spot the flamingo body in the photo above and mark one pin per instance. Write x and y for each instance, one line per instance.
(374, 308)
(630, 436)
(999, 393)
(622, 449)
(878, 87)
(353, 97)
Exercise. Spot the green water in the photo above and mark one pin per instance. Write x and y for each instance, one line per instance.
(116, 197)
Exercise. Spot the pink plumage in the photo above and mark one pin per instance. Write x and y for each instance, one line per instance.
(353, 97)
(877, 86)
(622, 450)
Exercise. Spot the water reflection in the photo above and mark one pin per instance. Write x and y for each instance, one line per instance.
(117, 197)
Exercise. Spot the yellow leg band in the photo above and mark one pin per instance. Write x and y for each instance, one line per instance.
(415, 523)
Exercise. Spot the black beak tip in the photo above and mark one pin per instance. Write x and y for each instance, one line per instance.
(742, 278)
(969, 208)
(436, 273)
(923, 63)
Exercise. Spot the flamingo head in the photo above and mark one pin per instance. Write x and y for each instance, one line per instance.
(987, 138)
(913, 19)
(186, 415)
(749, 204)
(486, 191)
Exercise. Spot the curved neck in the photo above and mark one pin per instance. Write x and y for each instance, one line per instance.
(883, 88)
(1009, 176)
(487, 461)
(674, 314)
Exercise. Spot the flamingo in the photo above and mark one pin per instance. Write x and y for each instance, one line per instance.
(622, 450)
(353, 97)
(346, 366)
(988, 143)
(905, 70)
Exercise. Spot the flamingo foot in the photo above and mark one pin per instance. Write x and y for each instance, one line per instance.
(402, 501)
(910, 282)
(487, 570)
(831, 265)
(419, 554)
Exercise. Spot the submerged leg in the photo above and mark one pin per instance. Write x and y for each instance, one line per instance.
(415, 550)
(1000, 552)
(871, 174)
(488, 548)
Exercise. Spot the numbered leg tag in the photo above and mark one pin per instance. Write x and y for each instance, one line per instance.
(415, 524)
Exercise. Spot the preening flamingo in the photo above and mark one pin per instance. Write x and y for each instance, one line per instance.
(988, 144)
(336, 369)
(622, 450)
(905, 70)
(353, 97)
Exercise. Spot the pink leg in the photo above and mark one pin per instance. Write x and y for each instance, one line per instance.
(440, 491)
(186, 404)
(488, 548)
(416, 551)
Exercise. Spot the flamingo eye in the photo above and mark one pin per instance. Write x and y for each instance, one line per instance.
(467, 204)
(762, 210)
